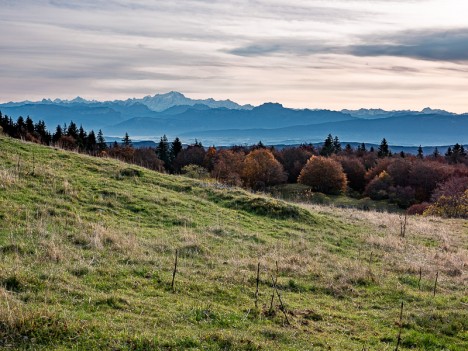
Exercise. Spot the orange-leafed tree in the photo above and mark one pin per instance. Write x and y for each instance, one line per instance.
(261, 169)
(324, 175)
(228, 167)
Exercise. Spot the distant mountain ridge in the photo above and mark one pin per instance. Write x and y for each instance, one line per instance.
(158, 102)
(226, 122)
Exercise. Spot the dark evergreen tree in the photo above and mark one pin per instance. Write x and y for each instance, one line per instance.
(449, 152)
(72, 130)
(81, 140)
(126, 141)
(29, 125)
(402, 154)
(328, 146)
(336, 145)
(58, 134)
(101, 142)
(436, 153)
(383, 149)
(91, 144)
(176, 147)
(20, 128)
(420, 152)
(164, 153)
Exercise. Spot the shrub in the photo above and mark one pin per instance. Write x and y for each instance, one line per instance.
(378, 188)
(418, 209)
(228, 166)
(424, 177)
(323, 175)
(402, 196)
(195, 171)
(260, 168)
(355, 172)
(293, 160)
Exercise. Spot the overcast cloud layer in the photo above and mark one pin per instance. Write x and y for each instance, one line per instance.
(304, 53)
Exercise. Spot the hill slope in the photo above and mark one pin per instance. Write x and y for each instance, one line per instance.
(87, 252)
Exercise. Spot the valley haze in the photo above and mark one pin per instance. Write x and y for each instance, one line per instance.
(224, 122)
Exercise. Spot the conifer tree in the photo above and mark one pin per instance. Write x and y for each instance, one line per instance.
(101, 142)
(58, 134)
(72, 130)
(383, 149)
(336, 145)
(328, 146)
(420, 152)
(164, 153)
(126, 141)
(91, 141)
(176, 147)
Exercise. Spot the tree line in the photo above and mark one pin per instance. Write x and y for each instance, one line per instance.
(432, 184)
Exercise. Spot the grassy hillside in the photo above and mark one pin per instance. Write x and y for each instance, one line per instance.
(87, 253)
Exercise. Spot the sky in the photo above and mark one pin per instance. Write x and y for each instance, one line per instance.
(334, 54)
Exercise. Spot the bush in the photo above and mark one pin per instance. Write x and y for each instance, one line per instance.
(195, 172)
(449, 206)
(228, 166)
(418, 209)
(261, 169)
(378, 188)
(324, 175)
(402, 196)
(355, 172)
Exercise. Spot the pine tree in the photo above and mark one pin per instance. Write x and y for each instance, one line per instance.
(164, 153)
(336, 145)
(81, 140)
(91, 143)
(126, 141)
(72, 130)
(449, 152)
(420, 152)
(101, 142)
(29, 125)
(383, 149)
(436, 153)
(328, 146)
(58, 134)
(176, 147)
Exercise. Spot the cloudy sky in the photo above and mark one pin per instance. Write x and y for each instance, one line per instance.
(303, 53)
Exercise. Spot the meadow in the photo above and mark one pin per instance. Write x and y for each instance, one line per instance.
(88, 246)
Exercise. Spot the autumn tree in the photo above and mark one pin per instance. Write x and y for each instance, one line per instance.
(355, 172)
(293, 159)
(424, 177)
(261, 169)
(192, 155)
(323, 175)
(228, 167)
(378, 188)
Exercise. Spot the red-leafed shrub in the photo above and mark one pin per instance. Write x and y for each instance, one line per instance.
(418, 209)
(324, 175)
(355, 172)
(228, 167)
(378, 188)
(260, 169)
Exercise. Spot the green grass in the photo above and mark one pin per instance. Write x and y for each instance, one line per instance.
(87, 252)
(302, 193)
